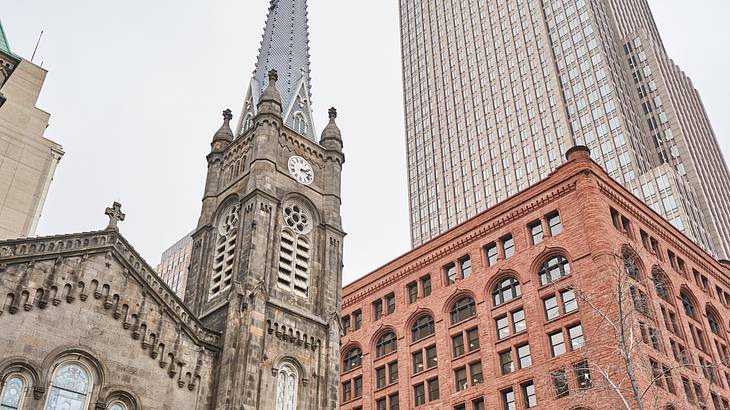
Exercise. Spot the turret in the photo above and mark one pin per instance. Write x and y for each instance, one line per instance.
(331, 136)
(224, 136)
(270, 101)
(221, 140)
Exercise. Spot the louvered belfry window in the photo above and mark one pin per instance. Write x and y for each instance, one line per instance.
(225, 251)
(295, 250)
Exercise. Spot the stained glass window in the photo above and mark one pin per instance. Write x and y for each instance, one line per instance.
(69, 388)
(12, 394)
(286, 389)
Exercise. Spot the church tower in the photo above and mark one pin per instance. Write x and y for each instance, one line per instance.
(266, 268)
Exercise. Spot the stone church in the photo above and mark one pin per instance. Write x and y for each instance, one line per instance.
(86, 323)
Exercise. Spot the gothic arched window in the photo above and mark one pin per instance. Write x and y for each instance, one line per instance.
(300, 123)
(287, 383)
(12, 393)
(423, 327)
(553, 269)
(661, 285)
(631, 267)
(463, 309)
(714, 322)
(295, 250)
(353, 359)
(387, 343)
(505, 290)
(689, 306)
(225, 251)
(69, 388)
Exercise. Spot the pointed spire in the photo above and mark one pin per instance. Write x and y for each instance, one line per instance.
(224, 135)
(331, 135)
(284, 48)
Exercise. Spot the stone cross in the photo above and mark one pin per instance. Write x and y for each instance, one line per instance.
(115, 215)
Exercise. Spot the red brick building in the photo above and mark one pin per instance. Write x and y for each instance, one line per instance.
(528, 304)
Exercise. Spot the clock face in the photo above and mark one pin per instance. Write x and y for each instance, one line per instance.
(301, 170)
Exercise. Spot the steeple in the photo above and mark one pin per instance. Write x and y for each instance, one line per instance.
(284, 48)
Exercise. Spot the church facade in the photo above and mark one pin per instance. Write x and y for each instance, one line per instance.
(86, 323)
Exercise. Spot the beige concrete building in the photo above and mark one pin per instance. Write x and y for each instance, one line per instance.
(27, 159)
(174, 264)
(496, 92)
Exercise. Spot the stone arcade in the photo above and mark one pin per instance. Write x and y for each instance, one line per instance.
(85, 322)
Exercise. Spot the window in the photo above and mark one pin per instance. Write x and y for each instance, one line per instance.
(583, 376)
(554, 223)
(502, 327)
(419, 394)
(689, 307)
(286, 388)
(12, 394)
(426, 285)
(508, 399)
(553, 269)
(300, 124)
(463, 309)
(475, 373)
(433, 389)
(390, 303)
(393, 372)
(450, 274)
(423, 327)
(295, 249)
(560, 382)
(508, 246)
(357, 387)
(69, 387)
(465, 265)
(431, 357)
(536, 232)
(472, 339)
(381, 404)
(492, 254)
(551, 307)
(345, 324)
(225, 250)
(412, 289)
(506, 290)
(386, 344)
(417, 358)
(661, 286)
(353, 359)
(713, 322)
(641, 302)
(477, 404)
(460, 378)
(523, 356)
(557, 344)
(576, 337)
(505, 362)
(518, 321)
(457, 342)
(357, 319)
(346, 391)
(117, 406)
(377, 309)
(394, 401)
(529, 395)
(380, 377)
(630, 266)
(569, 302)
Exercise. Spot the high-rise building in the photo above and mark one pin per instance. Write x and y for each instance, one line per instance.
(496, 92)
(547, 300)
(27, 159)
(174, 264)
(86, 322)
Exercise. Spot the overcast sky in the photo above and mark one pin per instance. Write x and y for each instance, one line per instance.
(135, 90)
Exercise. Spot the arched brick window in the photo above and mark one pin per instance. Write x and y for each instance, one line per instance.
(506, 290)
(553, 269)
(463, 309)
(661, 285)
(688, 304)
(714, 321)
(387, 343)
(423, 327)
(352, 359)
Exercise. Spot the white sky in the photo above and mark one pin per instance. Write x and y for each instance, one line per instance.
(135, 89)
